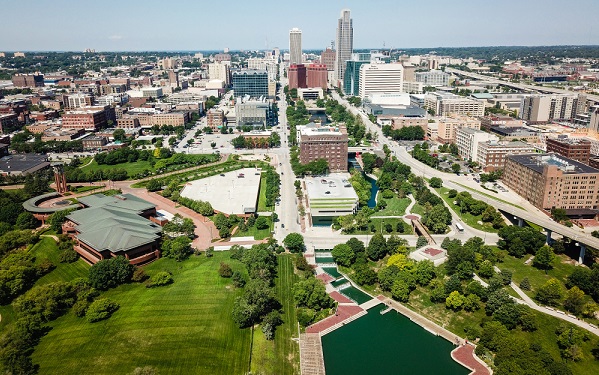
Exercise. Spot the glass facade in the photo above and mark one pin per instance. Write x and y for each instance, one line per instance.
(250, 82)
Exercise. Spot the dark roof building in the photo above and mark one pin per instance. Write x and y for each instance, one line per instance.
(22, 164)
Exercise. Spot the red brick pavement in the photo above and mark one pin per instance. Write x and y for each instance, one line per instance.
(325, 278)
(465, 356)
(340, 297)
(343, 312)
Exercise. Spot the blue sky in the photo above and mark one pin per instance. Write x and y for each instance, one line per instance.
(137, 25)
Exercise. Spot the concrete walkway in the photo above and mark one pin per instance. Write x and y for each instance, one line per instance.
(311, 357)
(556, 313)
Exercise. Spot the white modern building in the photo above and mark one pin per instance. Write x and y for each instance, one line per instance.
(432, 78)
(446, 103)
(380, 78)
(344, 45)
(467, 140)
(295, 46)
(220, 71)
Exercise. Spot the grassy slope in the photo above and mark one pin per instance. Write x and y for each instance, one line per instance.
(48, 249)
(184, 328)
(395, 207)
(468, 218)
(262, 207)
(131, 168)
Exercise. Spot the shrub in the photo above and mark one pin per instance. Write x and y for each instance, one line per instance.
(101, 309)
(225, 270)
(160, 279)
(80, 308)
(238, 279)
(139, 275)
(525, 284)
(68, 256)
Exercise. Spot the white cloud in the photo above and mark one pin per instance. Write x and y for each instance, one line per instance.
(115, 37)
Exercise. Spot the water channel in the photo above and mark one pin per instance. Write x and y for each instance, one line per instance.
(373, 186)
(387, 344)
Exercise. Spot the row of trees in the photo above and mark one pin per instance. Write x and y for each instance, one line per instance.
(476, 207)
(406, 133)
(258, 304)
(273, 187)
(250, 142)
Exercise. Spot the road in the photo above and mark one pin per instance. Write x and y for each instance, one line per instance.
(450, 180)
(520, 86)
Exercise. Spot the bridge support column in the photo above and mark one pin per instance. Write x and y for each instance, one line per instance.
(520, 222)
(549, 240)
(581, 255)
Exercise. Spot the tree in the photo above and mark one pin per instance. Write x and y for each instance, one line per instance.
(109, 273)
(294, 242)
(453, 284)
(455, 167)
(312, 294)
(574, 301)
(543, 258)
(160, 279)
(550, 293)
(225, 270)
(262, 223)
(377, 248)
(343, 255)
(436, 182)
(525, 284)
(56, 219)
(424, 272)
(119, 135)
(25, 220)
(356, 245)
(178, 248)
(364, 275)
(153, 185)
(400, 291)
(454, 300)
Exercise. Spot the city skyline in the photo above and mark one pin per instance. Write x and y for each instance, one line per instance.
(131, 27)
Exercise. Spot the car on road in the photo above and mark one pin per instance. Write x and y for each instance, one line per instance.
(282, 225)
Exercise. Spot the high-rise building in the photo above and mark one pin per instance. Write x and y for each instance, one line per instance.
(380, 78)
(572, 148)
(220, 71)
(351, 81)
(345, 44)
(432, 78)
(295, 46)
(173, 78)
(250, 82)
(468, 139)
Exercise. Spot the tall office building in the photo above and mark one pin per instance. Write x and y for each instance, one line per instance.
(345, 44)
(380, 78)
(250, 82)
(295, 46)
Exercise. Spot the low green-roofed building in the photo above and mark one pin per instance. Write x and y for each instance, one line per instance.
(110, 226)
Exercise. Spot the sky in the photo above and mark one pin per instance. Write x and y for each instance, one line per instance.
(196, 25)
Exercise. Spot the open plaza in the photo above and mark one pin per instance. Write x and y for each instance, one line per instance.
(230, 193)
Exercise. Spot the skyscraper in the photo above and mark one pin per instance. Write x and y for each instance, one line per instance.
(345, 44)
(295, 46)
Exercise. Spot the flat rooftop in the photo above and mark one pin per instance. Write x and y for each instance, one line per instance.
(229, 193)
(536, 162)
(335, 186)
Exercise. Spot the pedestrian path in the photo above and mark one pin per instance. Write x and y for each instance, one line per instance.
(464, 355)
(311, 357)
(370, 304)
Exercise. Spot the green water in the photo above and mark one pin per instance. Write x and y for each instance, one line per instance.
(338, 282)
(356, 294)
(323, 250)
(387, 344)
(325, 260)
(332, 271)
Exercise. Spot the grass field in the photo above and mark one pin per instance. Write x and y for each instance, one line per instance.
(395, 207)
(47, 248)
(262, 207)
(131, 168)
(280, 356)
(468, 218)
(258, 234)
(183, 328)
(489, 195)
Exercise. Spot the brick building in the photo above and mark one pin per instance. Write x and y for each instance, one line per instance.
(127, 122)
(549, 180)
(215, 118)
(28, 80)
(327, 142)
(297, 76)
(577, 149)
(447, 127)
(84, 119)
(317, 76)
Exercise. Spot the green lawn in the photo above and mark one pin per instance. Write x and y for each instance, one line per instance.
(280, 356)
(184, 328)
(47, 248)
(462, 321)
(468, 218)
(395, 207)
(488, 195)
(82, 189)
(131, 168)
(418, 210)
(258, 234)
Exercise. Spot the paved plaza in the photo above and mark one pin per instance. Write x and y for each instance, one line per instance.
(230, 193)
